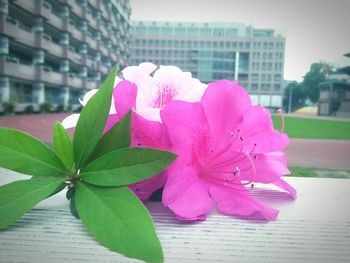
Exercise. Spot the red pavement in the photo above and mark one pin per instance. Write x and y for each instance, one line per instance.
(331, 154)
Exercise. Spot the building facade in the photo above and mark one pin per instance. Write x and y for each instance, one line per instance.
(335, 93)
(212, 51)
(53, 51)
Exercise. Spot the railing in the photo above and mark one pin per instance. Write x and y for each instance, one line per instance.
(52, 77)
(12, 28)
(9, 68)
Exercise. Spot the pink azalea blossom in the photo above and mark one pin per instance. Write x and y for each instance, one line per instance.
(157, 87)
(223, 144)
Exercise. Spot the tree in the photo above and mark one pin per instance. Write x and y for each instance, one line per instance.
(298, 97)
(311, 80)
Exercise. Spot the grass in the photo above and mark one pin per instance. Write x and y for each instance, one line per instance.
(308, 128)
(316, 172)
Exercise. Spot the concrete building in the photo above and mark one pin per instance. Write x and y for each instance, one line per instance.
(214, 51)
(55, 50)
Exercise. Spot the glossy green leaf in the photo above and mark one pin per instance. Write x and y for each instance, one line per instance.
(126, 166)
(63, 145)
(72, 207)
(118, 220)
(92, 121)
(19, 197)
(116, 138)
(23, 153)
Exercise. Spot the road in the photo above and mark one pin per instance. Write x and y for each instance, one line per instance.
(329, 154)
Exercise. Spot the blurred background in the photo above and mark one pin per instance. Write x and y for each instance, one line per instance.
(293, 55)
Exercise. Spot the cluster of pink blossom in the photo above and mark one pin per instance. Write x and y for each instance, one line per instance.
(223, 143)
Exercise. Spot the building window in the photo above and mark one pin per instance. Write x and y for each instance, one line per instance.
(276, 87)
(153, 30)
(219, 32)
(277, 77)
(180, 31)
(255, 76)
(254, 86)
(205, 32)
(167, 31)
(265, 87)
(232, 32)
(193, 31)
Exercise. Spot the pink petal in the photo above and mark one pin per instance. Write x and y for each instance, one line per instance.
(285, 186)
(144, 189)
(152, 114)
(147, 133)
(111, 121)
(147, 67)
(124, 97)
(224, 103)
(185, 123)
(186, 195)
(144, 83)
(239, 202)
(269, 167)
(257, 128)
(71, 121)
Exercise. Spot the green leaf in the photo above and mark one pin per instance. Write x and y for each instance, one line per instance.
(118, 220)
(23, 153)
(19, 197)
(72, 207)
(92, 121)
(63, 145)
(126, 166)
(116, 138)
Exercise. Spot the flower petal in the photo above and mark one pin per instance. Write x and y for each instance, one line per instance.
(144, 189)
(124, 95)
(111, 120)
(88, 95)
(140, 75)
(71, 121)
(257, 128)
(185, 123)
(224, 103)
(186, 195)
(269, 167)
(239, 202)
(147, 133)
(285, 186)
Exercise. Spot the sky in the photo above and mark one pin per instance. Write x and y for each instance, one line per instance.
(315, 30)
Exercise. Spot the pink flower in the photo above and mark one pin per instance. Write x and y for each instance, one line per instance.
(223, 144)
(158, 87)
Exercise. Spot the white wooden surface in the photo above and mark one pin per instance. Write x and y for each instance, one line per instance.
(314, 228)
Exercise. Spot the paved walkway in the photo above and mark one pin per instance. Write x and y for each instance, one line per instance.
(329, 154)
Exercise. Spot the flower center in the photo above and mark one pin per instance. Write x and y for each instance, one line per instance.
(165, 94)
(230, 166)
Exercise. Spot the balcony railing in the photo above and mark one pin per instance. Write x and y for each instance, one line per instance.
(17, 70)
(27, 5)
(51, 77)
(74, 57)
(78, 10)
(12, 28)
(73, 81)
